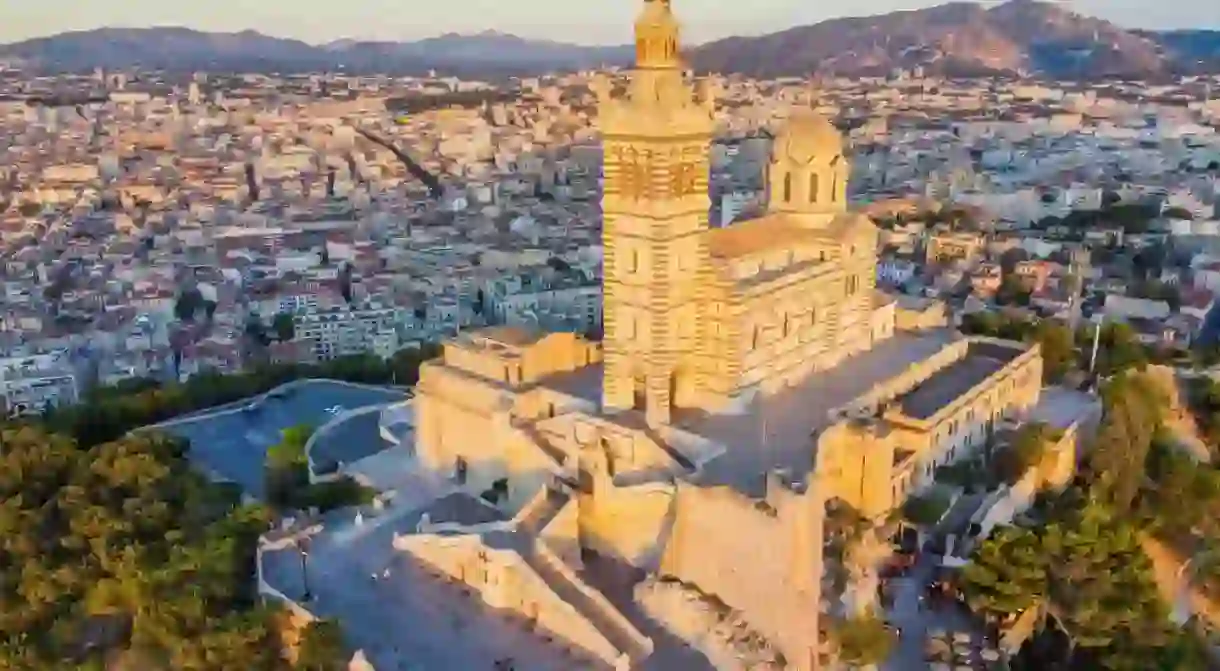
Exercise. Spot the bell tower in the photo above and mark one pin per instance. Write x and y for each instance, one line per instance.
(655, 203)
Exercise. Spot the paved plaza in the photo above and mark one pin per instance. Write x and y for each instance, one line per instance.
(401, 617)
(348, 440)
(231, 444)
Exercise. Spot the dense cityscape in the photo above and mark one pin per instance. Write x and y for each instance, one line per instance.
(619, 368)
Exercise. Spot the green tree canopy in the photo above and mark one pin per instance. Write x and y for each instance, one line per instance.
(284, 326)
(863, 641)
(322, 648)
(1086, 569)
(121, 545)
(1132, 416)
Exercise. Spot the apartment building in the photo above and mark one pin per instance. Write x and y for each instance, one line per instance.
(30, 384)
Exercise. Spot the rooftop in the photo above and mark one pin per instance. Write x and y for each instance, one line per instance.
(778, 431)
(982, 360)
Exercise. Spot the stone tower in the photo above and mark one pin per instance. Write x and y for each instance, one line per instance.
(655, 207)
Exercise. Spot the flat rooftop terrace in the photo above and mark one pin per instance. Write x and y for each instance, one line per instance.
(777, 431)
(982, 360)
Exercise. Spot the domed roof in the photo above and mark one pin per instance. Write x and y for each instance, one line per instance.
(808, 135)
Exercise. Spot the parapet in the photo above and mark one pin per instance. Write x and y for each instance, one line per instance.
(518, 357)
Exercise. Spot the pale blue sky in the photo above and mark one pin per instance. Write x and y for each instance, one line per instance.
(586, 21)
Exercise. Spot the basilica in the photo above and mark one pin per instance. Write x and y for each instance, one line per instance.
(751, 378)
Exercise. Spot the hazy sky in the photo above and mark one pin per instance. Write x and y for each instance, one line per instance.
(586, 21)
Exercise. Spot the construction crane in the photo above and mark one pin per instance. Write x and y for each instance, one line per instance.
(429, 180)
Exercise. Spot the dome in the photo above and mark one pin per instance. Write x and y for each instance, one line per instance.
(808, 135)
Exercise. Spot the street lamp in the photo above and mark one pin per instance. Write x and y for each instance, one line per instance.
(303, 549)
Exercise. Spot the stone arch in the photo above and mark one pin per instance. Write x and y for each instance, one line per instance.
(683, 387)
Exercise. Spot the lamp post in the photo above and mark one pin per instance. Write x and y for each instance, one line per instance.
(303, 550)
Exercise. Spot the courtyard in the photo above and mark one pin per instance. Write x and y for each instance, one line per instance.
(231, 443)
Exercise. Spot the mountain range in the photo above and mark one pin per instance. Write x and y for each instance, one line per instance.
(959, 38)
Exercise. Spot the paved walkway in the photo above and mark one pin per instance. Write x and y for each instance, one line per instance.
(403, 619)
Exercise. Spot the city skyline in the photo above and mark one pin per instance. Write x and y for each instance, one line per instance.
(317, 21)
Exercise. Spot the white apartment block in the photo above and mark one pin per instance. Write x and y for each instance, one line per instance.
(347, 330)
(575, 307)
(30, 384)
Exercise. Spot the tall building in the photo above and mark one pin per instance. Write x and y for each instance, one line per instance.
(750, 379)
(655, 206)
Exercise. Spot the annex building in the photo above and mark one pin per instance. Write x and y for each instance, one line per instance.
(749, 378)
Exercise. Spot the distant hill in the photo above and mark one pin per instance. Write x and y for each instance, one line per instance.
(959, 38)
(489, 49)
(165, 48)
(183, 49)
(965, 39)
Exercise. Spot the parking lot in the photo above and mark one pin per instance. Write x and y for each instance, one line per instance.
(231, 444)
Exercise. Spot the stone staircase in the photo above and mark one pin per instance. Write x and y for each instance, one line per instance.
(588, 602)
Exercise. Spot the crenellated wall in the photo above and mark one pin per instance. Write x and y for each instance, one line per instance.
(761, 558)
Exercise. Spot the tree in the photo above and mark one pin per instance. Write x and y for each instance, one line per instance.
(1012, 291)
(256, 334)
(322, 648)
(1178, 213)
(1119, 349)
(345, 282)
(1132, 416)
(122, 546)
(1058, 350)
(188, 304)
(863, 641)
(284, 326)
(1085, 568)
(287, 467)
(1102, 587)
(1023, 452)
(1007, 575)
(404, 365)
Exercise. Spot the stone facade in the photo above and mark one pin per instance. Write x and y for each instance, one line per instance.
(749, 376)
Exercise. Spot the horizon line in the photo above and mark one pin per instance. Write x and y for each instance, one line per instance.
(758, 32)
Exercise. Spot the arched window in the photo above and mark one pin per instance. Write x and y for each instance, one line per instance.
(787, 187)
(754, 337)
(634, 265)
(834, 189)
(813, 187)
